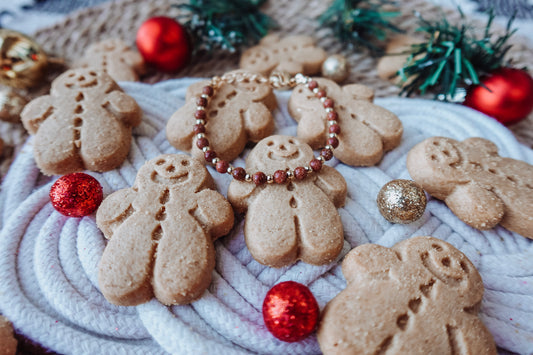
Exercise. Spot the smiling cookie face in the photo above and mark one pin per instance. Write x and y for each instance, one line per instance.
(279, 153)
(174, 170)
(82, 79)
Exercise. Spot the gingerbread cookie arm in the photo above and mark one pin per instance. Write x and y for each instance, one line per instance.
(179, 127)
(214, 213)
(35, 112)
(114, 210)
(476, 206)
(240, 194)
(382, 121)
(258, 122)
(124, 107)
(369, 260)
(333, 184)
(471, 337)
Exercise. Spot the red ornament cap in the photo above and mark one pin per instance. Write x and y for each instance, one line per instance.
(290, 311)
(76, 195)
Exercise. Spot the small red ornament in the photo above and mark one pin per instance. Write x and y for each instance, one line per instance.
(163, 42)
(76, 195)
(510, 98)
(290, 311)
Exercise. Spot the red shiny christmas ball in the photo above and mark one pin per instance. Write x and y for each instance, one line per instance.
(163, 42)
(510, 98)
(76, 195)
(290, 311)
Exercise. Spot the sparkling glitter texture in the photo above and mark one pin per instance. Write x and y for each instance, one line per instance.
(401, 201)
(76, 195)
(290, 311)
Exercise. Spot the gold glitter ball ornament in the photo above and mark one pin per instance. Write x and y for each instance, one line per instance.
(11, 105)
(336, 68)
(22, 61)
(401, 201)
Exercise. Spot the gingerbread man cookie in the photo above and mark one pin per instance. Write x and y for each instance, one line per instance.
(293, 54)
(297, 220)
(161, 233)
(114, 57)
(237, 113)
(422, 296)
(479, 186)
(366, 130)
(85, 123)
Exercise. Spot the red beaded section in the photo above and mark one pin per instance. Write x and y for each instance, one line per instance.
(259, 177)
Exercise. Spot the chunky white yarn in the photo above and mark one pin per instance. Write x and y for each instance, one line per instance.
(48, 262)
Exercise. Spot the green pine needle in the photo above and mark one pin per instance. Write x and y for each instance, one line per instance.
(360, 22)
(452, 57)
(228, 25)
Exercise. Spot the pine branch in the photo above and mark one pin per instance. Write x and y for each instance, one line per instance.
(228, 25)
(452, 57)
(360, 22)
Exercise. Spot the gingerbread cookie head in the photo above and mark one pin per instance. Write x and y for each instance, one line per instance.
(85, 123)
(479, 186)
(293, 54)
(367, 131)
(292, 218)
(421, 296)
(161, 233)
(114, 57)
(279, 153)
(236, 113)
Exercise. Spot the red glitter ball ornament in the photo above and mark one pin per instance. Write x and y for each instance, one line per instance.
(290, 311)
(163, 42)
(76, 195)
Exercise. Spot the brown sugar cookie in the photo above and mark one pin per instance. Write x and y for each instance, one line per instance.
(8, 343)
(292, 54)
(114, 57)
(237, 113)
(366, 130)
(161, 233)
(479, 186)
(85, 123)
(421, 296)
(397, 53)
(296, 220)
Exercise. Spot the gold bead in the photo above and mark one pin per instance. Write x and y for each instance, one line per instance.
(11, 105)
(22, 61)
(401, 201)
(336, 68)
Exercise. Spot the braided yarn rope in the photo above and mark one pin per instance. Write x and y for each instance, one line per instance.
(48, 262)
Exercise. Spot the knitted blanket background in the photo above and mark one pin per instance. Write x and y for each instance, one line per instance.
(48, 262)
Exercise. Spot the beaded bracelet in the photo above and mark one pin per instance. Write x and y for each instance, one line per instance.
(278, 81)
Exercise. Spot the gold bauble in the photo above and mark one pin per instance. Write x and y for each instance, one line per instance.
(401, 201)
(11, 105)
(22, 61)
(336, 68)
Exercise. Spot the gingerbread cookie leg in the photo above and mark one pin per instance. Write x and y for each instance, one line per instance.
(125, 269)
(185, 260)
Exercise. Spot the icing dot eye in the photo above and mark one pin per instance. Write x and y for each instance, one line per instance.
(291, 141)
(160, 162)
(436, 247)
(184, 163)
(92, 73)
(445, 262)
(270, 143)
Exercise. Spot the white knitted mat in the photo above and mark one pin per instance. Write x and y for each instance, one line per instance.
(48, 262)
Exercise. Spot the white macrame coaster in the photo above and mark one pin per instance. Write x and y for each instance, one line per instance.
(48, 262)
